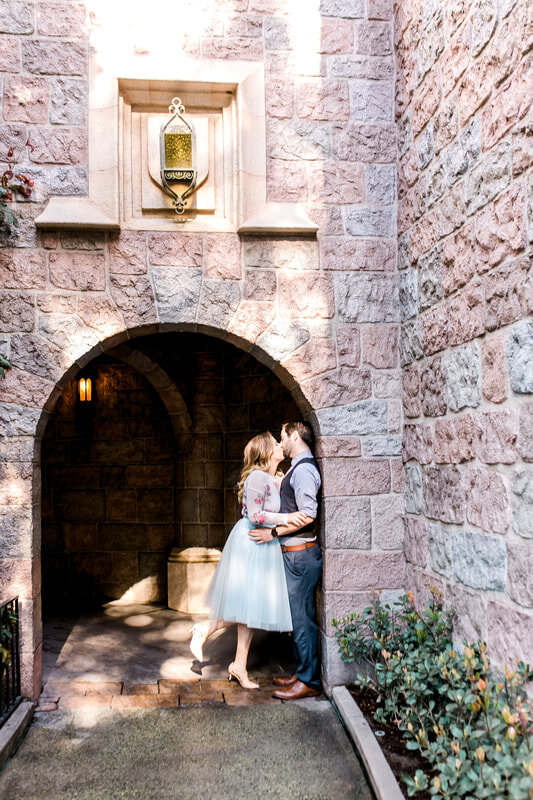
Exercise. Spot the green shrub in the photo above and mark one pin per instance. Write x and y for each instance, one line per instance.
(472, 725)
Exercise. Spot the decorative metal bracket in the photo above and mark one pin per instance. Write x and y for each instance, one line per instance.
(177, 141)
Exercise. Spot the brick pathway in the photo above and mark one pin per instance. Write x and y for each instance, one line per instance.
(162, 694)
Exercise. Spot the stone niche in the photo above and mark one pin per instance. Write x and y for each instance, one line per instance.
(226, 104)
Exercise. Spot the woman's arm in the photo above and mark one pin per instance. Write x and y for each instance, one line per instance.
(257, 491)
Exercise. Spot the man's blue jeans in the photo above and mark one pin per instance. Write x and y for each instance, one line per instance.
(303, 569)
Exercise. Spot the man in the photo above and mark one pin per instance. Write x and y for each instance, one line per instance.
(302, 558)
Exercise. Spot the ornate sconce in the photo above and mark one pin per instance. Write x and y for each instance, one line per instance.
(177, 142)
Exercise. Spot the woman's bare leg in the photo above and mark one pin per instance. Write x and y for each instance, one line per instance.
(244, 640)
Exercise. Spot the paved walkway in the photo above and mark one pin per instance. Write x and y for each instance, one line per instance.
(138, 657)
(126, 713)
(294, 751)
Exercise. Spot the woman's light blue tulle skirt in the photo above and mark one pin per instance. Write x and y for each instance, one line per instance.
(249, 583)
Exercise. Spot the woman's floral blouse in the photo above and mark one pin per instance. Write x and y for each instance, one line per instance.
(260, 502)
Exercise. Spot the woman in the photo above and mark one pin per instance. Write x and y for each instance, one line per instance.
(249, 587)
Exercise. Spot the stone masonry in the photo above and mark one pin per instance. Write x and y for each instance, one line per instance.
(463, 107)
(415, 284)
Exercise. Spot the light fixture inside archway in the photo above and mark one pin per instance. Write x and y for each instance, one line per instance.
(177, 142)
(85, 390)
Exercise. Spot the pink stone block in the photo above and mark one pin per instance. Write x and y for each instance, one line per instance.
(250, 320)
(336, 36)
(471, 622)
(496, 434)
(508, 292)
(380, 346)
(397, 475)
(466, 314)
(16, 579)
(520, 573)
(508, 106)
(500, 229)
(426, 100)
(337, 183)
(362, 476)
(313, 358)
(305, 295)
(509, 634)
(280, 98)
(175, 249)
(487, 500)
(411, 391)
(134, 297)
(25, 389)
(323, 99)
(10, 54)
(346, 385)
(127, 252)
(59, 146)
(223, 256)
(17, 311)
(435, 329)
(26, 99)
(329, 446)
(22, 269)
(525, 435)
(454, 440)
(374, 39)
(424, 236)
(348, 346)
(375, 255)
(78, 270)
(242, 48)
(455, 59)
(388, 522)
(101, 314)
(494, 370)
(418, 442)
(287, 181)
(474, 87)
(56, 19)
(360, 571)
(380, 9)
(415, 544)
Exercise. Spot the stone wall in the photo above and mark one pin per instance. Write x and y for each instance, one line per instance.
(109, 493)
(463, 105)
(323, 314)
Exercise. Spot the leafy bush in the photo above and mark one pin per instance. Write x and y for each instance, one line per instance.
(473, 726)
(13, 183)
(5, 363)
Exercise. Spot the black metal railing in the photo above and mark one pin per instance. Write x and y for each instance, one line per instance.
(9, 658)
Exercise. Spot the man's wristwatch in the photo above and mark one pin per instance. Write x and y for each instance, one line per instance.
(274, 532)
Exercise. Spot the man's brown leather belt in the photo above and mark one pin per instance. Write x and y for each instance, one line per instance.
(290, 548)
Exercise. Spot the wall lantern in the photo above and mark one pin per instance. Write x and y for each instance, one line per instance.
(85, 390)
(177, 142)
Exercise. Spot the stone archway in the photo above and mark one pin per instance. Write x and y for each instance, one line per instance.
(118, 493)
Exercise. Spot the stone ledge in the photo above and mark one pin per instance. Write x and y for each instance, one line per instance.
(285, 218)
(14, 729)
(379, 772)
(75, 212)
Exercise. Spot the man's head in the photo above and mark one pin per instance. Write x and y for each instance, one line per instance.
(296, 437)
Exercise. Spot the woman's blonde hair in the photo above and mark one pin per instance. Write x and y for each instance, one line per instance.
(257, 455)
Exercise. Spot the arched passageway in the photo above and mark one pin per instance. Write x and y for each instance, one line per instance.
(123, 483)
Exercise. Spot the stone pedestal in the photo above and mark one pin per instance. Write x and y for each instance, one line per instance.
(190, 571)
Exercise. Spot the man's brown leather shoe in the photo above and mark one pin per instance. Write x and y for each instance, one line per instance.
(280, 681)
(296, 692)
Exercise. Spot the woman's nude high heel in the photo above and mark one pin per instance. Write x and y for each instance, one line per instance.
(243, 678)
(199, 635)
